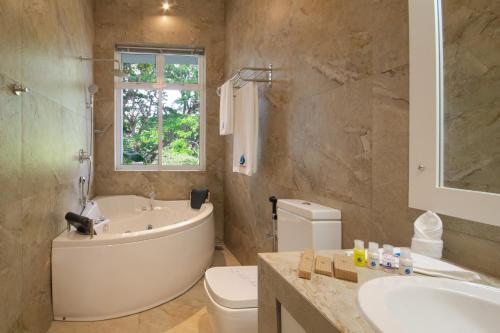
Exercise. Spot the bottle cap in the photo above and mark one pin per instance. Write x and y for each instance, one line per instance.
(373, 246)
(359, 244)
(388, 249)
(405, 252)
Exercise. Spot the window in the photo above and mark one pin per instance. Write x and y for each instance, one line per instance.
(160, 109)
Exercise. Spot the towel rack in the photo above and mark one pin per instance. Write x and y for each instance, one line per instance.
(251, 74)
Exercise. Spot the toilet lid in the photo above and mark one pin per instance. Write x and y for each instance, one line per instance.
(309, 210)
(234, 286)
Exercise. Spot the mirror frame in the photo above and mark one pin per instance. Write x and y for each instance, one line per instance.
(426, 85)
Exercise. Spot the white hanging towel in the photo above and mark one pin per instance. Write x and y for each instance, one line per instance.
(226, 108)
(246, 130)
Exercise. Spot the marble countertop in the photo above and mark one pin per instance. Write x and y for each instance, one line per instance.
(335, 299)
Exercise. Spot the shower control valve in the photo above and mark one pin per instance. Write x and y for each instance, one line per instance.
(83, 156)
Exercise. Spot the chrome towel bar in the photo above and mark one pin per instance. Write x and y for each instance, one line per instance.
(251, 74)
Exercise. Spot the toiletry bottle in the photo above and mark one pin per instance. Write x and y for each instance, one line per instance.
(388, 258)
(359, 253)
(405, 262)
(373, 260)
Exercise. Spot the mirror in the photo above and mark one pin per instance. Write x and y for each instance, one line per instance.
(470, 95)
(454, 162)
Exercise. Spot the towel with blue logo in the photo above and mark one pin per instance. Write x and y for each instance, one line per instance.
(246, 129)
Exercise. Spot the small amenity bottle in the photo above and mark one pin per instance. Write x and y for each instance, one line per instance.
(405, 262)
(388, 258)
(359, 253)
(373, 260)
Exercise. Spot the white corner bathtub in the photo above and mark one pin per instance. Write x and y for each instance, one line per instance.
(126, 268)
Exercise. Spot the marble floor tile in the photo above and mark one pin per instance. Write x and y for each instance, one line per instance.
(185, 314)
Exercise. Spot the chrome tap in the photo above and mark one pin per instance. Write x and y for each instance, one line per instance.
(152, 196)
(83, 156)
(83, 197)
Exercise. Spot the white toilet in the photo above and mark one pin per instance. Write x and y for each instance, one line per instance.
(232, 291)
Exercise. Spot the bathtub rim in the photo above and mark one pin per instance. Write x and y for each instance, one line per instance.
(73, 239)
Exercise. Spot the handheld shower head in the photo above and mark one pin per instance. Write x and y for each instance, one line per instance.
(93, 89)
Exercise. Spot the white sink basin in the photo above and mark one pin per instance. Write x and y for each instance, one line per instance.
(424, 304)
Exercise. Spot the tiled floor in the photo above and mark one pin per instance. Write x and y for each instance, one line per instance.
(185, 314)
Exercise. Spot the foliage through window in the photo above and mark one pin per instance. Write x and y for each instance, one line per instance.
(160, 112)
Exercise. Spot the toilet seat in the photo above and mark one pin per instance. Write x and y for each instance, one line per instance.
(231, 292)
(233, 287)
(232, 299)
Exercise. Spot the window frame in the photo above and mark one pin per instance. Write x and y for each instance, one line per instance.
(160, 85)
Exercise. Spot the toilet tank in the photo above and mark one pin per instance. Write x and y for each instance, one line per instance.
(303, 224)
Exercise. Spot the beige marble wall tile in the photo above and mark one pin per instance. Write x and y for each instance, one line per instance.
(334, 125)
(40, 135)
(316, 120)
(41, 54)
(50, 174)
(390, 156)
(10, 208)
(188, 23)
(10, 35)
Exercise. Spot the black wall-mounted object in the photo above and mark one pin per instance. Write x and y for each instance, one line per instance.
(198, 198)
(80, 222)
(274, 201)
(274, 222)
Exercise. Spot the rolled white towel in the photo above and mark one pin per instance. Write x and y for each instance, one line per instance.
(428, 226)
(430, 248)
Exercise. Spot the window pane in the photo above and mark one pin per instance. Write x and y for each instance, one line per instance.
(141, 67)
(181, 69)
(181, 127)
(140, 126)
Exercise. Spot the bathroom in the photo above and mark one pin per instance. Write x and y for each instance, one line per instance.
(337, 126)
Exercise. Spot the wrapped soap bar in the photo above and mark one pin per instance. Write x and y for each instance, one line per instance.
(344, 269)
(306, 264)
(323, 265)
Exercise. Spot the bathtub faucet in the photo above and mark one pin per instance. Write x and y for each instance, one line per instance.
(152, 196)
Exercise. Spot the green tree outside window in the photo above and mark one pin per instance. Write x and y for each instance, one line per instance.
(181, 117)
